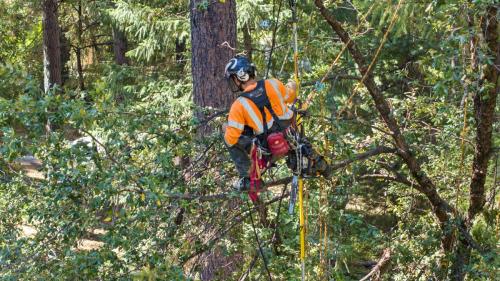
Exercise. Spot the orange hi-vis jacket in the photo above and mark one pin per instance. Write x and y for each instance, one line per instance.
(244, 112)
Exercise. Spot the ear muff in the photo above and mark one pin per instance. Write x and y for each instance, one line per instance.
(230, 65)
(242, 75)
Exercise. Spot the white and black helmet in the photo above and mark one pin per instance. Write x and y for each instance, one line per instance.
(241, 68)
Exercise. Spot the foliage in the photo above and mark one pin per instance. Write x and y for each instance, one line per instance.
(123, 191)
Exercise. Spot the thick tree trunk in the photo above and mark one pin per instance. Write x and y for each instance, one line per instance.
(212, 25)
(120, 46)
(51, 45)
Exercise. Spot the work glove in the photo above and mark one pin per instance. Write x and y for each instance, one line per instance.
(291, 84)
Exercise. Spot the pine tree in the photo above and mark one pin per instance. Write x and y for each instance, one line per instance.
(212, 25)
(51, 45)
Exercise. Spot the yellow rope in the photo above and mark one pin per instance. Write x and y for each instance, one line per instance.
(313, 93)
(462, 156)
(377, 53)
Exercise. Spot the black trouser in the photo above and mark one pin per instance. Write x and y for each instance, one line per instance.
(240, 152)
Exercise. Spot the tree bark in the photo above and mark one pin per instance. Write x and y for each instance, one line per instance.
(484, 113)
(484, 116)
(120, 46)
(51, 45)
(211, 25)
(78, 49)
(180, 49)
(247, 41)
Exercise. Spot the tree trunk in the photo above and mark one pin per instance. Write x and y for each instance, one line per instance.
(65, 56)
(51, 45)
(211, 25)
(247, 41)
(119, 46)
(441, 208)
(79, 66)
(180, 49)
(484, 115)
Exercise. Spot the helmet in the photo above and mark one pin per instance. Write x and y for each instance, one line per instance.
(241, 67)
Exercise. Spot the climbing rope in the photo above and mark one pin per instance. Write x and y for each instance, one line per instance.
(259, 244)
(293, 7)
(313, 93)
(395, 16)
(273, 40)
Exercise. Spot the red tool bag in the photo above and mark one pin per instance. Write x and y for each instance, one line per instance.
(278, 145)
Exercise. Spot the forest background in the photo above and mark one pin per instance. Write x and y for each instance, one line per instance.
(113, 167)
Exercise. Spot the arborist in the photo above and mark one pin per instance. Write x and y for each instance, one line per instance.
(261, 116)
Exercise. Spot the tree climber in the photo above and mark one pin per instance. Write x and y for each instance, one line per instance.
(261, 114)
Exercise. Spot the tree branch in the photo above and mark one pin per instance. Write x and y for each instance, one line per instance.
(441, 208)
(387, 177)
(363, 156)
(207, 246)
(225, 195)
(332, 77)
(380, 267)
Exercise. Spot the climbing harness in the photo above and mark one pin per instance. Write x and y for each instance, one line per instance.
(259, 163)
(267, 144)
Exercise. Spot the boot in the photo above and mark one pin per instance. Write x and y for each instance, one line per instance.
(242, 184)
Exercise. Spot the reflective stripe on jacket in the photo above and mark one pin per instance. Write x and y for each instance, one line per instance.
(244, 112)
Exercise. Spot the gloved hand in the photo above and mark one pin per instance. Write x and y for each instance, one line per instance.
(291, 84)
